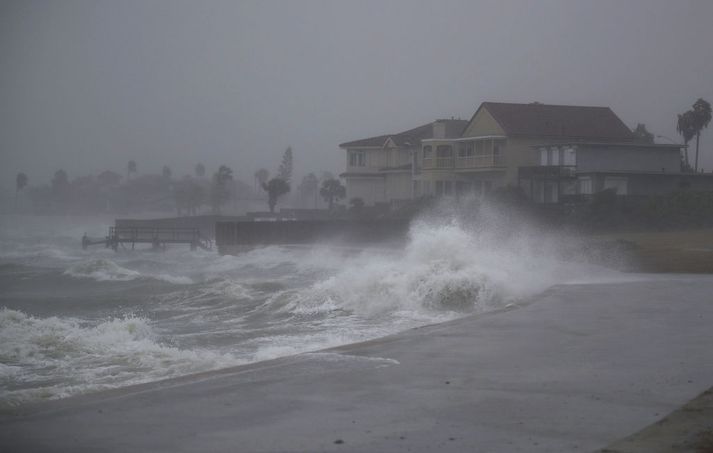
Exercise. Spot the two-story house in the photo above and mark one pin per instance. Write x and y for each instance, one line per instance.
(380, 169)
(585, 168)
(550, 151)
(499, 139)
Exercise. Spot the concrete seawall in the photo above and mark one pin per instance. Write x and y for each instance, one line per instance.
(205, 223)
(232, 237)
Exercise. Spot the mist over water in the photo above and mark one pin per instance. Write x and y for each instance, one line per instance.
(74, 321)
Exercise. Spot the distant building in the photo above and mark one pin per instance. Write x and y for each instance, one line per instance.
(550, 151)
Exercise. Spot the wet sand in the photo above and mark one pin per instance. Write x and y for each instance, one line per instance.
(573, 370)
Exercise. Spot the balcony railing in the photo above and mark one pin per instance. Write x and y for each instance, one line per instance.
(483, 161)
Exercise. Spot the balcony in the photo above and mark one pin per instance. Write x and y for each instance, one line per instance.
(466, 162)
(548, 171)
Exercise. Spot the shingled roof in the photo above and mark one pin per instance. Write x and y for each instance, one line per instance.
(411, 137)
(558, 121)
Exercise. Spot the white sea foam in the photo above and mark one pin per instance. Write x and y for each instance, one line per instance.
(270, 302)
(56, 357)
(107, 270)
(445, 268)
(101, 270)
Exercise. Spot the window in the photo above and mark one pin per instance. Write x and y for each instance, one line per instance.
(554, 157)
(585, 185)
(479, 148)
(465, 149)
(357, 159)
(426, 189)
(570, 157)
(447, 187)
(543, 156)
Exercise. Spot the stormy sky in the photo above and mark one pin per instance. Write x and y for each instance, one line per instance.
(89, 85)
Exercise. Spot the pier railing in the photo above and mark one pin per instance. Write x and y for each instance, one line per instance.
(157, 237)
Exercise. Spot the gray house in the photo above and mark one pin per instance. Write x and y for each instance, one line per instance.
(584, 168)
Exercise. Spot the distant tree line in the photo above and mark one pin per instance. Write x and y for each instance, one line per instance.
(108, 191)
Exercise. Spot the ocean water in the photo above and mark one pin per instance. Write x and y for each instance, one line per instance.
(75, 321)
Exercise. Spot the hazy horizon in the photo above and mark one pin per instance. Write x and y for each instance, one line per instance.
(90, 85)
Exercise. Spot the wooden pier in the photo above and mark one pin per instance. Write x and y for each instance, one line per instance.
(159, 238)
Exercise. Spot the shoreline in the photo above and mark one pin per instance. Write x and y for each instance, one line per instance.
(472, 379)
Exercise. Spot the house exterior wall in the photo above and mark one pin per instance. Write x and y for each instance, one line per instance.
(655, 184)
(398, 186)
(594, 159)
(519, 152)
(370, 189)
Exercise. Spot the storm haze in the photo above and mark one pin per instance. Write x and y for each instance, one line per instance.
(89, 85)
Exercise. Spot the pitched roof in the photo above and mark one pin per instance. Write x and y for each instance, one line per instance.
(411, 137)
(558, 121)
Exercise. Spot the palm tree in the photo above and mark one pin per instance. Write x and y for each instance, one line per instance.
(685, 127)
(219, 190)
(131, 168)
(20, 183)
(332, 190)
(275, 188)
(701, 118)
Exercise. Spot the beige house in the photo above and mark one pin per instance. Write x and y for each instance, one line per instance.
(502, 137)
(456, 157)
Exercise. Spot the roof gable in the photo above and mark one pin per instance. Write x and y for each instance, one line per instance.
(556, 121)
(410, 138)
(483, 123)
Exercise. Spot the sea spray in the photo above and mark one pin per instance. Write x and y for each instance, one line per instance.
(98, 319)
(56, 357)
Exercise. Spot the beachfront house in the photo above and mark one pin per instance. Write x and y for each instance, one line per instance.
(380, 169)
(552, 152)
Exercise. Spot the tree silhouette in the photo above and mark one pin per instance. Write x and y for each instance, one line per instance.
(131, 167)
(275, 188)
(685, 126)
(219, 193)
(285, 171)
(60, 186)
(200, 170)
(701, 119)
(20, 183)
(332, 190)
(642, 135)
(166, 172)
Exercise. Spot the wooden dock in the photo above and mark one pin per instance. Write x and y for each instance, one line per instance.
(159, 238)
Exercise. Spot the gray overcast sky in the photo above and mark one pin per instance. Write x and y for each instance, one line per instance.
(88, 85)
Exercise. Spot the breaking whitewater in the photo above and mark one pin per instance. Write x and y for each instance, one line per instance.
(75, 321)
